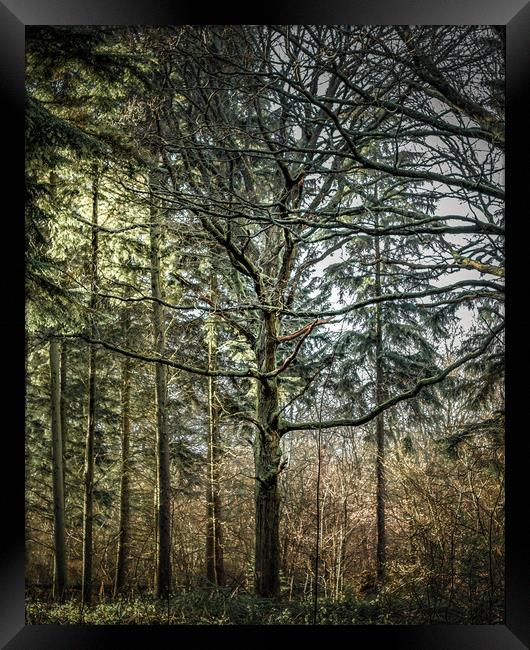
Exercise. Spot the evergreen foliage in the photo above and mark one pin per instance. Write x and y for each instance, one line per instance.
(292, 237)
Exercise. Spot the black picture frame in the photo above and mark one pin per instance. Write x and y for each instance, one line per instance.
(14, 16)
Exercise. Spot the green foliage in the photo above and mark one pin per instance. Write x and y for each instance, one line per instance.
(219, 607)
(206, 607)
(104, 103)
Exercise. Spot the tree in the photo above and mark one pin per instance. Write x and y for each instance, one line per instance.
(163, 571)
(88, 477)
(124, 517)
(271, 143)
(215, 571)
(57, 471)
(262, 146)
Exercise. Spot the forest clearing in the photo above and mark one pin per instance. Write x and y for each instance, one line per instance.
(264, 325)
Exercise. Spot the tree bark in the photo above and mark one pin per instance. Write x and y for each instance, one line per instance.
(88, 500)
(57, 472)
(162, 504)
(64, 366)
(215, 571)
(123, 535)
(267, 455)
(380, 426)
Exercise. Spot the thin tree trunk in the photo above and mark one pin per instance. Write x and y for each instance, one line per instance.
(215, 571)
(88, 501)
(162, 508)
(64, 366)
(380, 427)
(267, 455)
(123, 535)
(57, 472)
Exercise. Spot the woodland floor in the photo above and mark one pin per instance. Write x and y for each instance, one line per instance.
(202, 607)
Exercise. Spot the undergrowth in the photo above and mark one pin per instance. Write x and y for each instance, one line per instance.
(219, 607)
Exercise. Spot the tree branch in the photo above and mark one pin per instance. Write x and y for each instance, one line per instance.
(167, 362)
(427, 381)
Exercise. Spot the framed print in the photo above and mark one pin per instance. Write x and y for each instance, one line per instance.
(263, 323)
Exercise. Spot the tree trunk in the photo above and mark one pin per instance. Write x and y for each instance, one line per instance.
(215, 571)
(64, 365)
(88, 500)
(267, 455)
(380, 427)
(123, 535)
(57, 472)
(162, 505)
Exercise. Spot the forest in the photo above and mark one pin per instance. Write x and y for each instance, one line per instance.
(264, 331)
